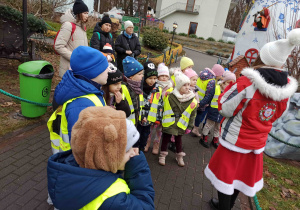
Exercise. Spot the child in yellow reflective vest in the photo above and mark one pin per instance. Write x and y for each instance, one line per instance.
(213, 116)
(88, 176)
(178, 117)
(165, 86)
(152, 96)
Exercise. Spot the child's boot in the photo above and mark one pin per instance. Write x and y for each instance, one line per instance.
(179, 158)
(147, 145)
(204, 141)
(155, 147)
(162, 158)
(195, 131)
(215, 142)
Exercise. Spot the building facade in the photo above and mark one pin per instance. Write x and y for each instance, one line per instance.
(205, 18)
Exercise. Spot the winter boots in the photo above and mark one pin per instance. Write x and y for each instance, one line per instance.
(147, 145)
(215, 142)
(195, 131)
(203, 141)
(162, 158)
(179, 158)
(155, 147)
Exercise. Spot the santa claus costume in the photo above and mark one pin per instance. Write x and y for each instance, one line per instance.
(249, 107)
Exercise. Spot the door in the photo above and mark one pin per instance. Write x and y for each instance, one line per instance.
(193, 28)
(190, 5)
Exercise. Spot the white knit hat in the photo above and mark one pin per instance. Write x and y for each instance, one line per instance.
(127, 24)
(275, 53)
(162, 69)
(181, 79)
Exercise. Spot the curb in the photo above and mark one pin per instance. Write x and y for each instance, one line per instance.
(223, 58)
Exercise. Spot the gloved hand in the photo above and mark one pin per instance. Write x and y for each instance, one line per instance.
(187, 131)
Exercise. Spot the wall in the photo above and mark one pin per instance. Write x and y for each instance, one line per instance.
(211, 12)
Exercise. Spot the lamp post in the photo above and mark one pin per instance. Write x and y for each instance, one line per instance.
(25, 54)
(174, 28)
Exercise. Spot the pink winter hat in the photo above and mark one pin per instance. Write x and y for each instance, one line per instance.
(228, 75)
(218, 70)
(162, 69)
(190, 73)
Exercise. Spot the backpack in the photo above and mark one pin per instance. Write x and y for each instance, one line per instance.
(72, 32)
(99, 36)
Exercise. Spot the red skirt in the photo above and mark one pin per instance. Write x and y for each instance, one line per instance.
(228, 170)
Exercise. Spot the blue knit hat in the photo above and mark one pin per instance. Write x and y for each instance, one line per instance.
(88, 62)
(131, 66)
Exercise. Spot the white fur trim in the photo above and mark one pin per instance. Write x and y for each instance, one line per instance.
(228, 189)
(274, 92)
(294, 37)
(234, 148)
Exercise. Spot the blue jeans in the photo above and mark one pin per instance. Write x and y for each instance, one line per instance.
(200, 116)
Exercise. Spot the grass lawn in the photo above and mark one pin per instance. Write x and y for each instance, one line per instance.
(54, 25)
(281, 185)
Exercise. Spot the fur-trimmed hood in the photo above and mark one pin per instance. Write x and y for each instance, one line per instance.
(275, 92)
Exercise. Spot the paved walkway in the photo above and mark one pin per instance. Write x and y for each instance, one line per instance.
(23, 179)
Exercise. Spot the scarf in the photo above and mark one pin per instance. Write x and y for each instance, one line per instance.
(135, 86)
(184, 97)
(127, 35)
(164, 84)
(147, 89)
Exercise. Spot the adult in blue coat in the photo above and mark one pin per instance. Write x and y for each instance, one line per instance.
(94, 180)
(89, 72)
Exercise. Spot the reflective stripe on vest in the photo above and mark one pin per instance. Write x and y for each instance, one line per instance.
(173, 79)
(119, 186)
(61, 142)
(201, 86)
(169, 117)
(214, 102)
(154, 105)
(127, 96)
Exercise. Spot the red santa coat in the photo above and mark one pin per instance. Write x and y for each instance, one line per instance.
(249, 106)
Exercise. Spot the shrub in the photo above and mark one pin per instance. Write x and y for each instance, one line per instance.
(210, 52)
(201, 38)
(182, 34)
(155, 39)
(220, 54)
(230, 42)
(214, 48)
(165, 31)
(193, 36)
(227, 55)
(225, 50)
(171, 32)
(211, 39)
(221, 41)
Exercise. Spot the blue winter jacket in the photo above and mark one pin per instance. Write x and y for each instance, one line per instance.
(72, 86)
(210, 88)
(214, 115)
(72, 187)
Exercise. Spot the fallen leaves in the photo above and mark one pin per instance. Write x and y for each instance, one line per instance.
(8, 104)
(290, 182)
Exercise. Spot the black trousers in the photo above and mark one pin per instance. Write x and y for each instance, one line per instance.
(226, 202)
(144, 133)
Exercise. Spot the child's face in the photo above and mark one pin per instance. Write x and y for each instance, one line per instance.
(138, 77)
(131, 153)
(113, 88)
(151, 80)
(226, 83)
(189, 67)
(101, 78)
(163, 78)
(185, 89)
(218, 77)
(194, 81)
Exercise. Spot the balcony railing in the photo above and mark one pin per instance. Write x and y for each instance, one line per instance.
(182, 7)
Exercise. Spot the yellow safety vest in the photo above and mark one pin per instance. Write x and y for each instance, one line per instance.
(117, 187)
(169, 116)
(167, 91)
(173, 79)
(61, 142)
(214, 102)
(152, 115)
(126, 95)
(201, 86)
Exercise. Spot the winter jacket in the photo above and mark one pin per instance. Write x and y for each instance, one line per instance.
(135, 102)
(178, 108)
(214, 115)
(105, 37)
(122, 106)
(147, 105)
(73, 187)
(72, 86)
(210, 88)
(251, 105)
(65, 44)
(122, 44)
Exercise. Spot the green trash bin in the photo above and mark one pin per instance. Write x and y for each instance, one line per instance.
(35, 85)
